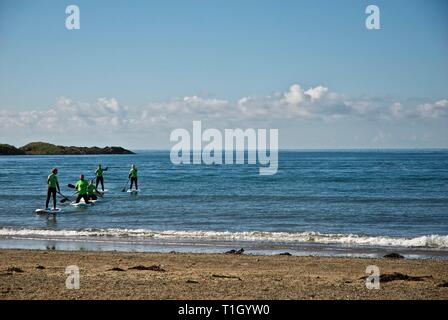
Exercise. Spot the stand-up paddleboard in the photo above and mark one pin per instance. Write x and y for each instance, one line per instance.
(133, 191)
(48, 211)
(82, 203)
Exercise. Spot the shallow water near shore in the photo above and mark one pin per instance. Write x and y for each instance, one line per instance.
(348, 203)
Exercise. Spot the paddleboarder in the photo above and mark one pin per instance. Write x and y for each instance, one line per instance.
(99, 176)
(81, 186)
(133, 176)
(91, 190)
(53, 185)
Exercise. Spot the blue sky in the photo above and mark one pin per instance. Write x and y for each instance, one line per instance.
(145, 57)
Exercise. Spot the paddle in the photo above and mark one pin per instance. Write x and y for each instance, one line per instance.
(65, 198)
(126, 186)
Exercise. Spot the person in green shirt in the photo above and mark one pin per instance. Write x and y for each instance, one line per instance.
(91, 191)
(99, 176)
(133, 176)
(81, 186)
(53, 184)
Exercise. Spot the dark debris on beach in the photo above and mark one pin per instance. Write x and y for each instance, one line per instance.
(237, 252)
(226, 277)
(396, 276)
(151, 268)
(393, 255)
(116, 269)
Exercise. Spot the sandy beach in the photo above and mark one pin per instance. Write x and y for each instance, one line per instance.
(34, 274)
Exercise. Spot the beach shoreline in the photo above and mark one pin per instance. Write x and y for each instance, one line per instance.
(214, 246)
(40, 274)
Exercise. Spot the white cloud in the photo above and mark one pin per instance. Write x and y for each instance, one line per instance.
(295, 95)
(434, 110)
(396, 110)
(316, 93)
(109, 116)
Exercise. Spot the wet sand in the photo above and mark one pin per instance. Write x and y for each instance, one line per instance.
(35, 274)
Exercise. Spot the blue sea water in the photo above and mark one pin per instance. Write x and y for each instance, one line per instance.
(319, 201)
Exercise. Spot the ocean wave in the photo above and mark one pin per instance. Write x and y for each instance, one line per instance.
(429, 241)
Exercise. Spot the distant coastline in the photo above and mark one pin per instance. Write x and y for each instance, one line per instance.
(44, 148)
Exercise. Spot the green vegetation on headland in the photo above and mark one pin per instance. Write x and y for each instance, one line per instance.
(43, 148)
(9, 150)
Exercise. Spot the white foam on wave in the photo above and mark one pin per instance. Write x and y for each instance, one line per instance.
(429, 241)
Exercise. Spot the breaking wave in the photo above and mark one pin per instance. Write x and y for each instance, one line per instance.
(428, 241)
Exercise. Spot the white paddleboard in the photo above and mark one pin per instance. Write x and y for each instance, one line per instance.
(103, 191)
(133, 191)
(82, 203)
(49, 211)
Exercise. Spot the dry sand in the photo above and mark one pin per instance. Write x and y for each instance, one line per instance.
(211, 276)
